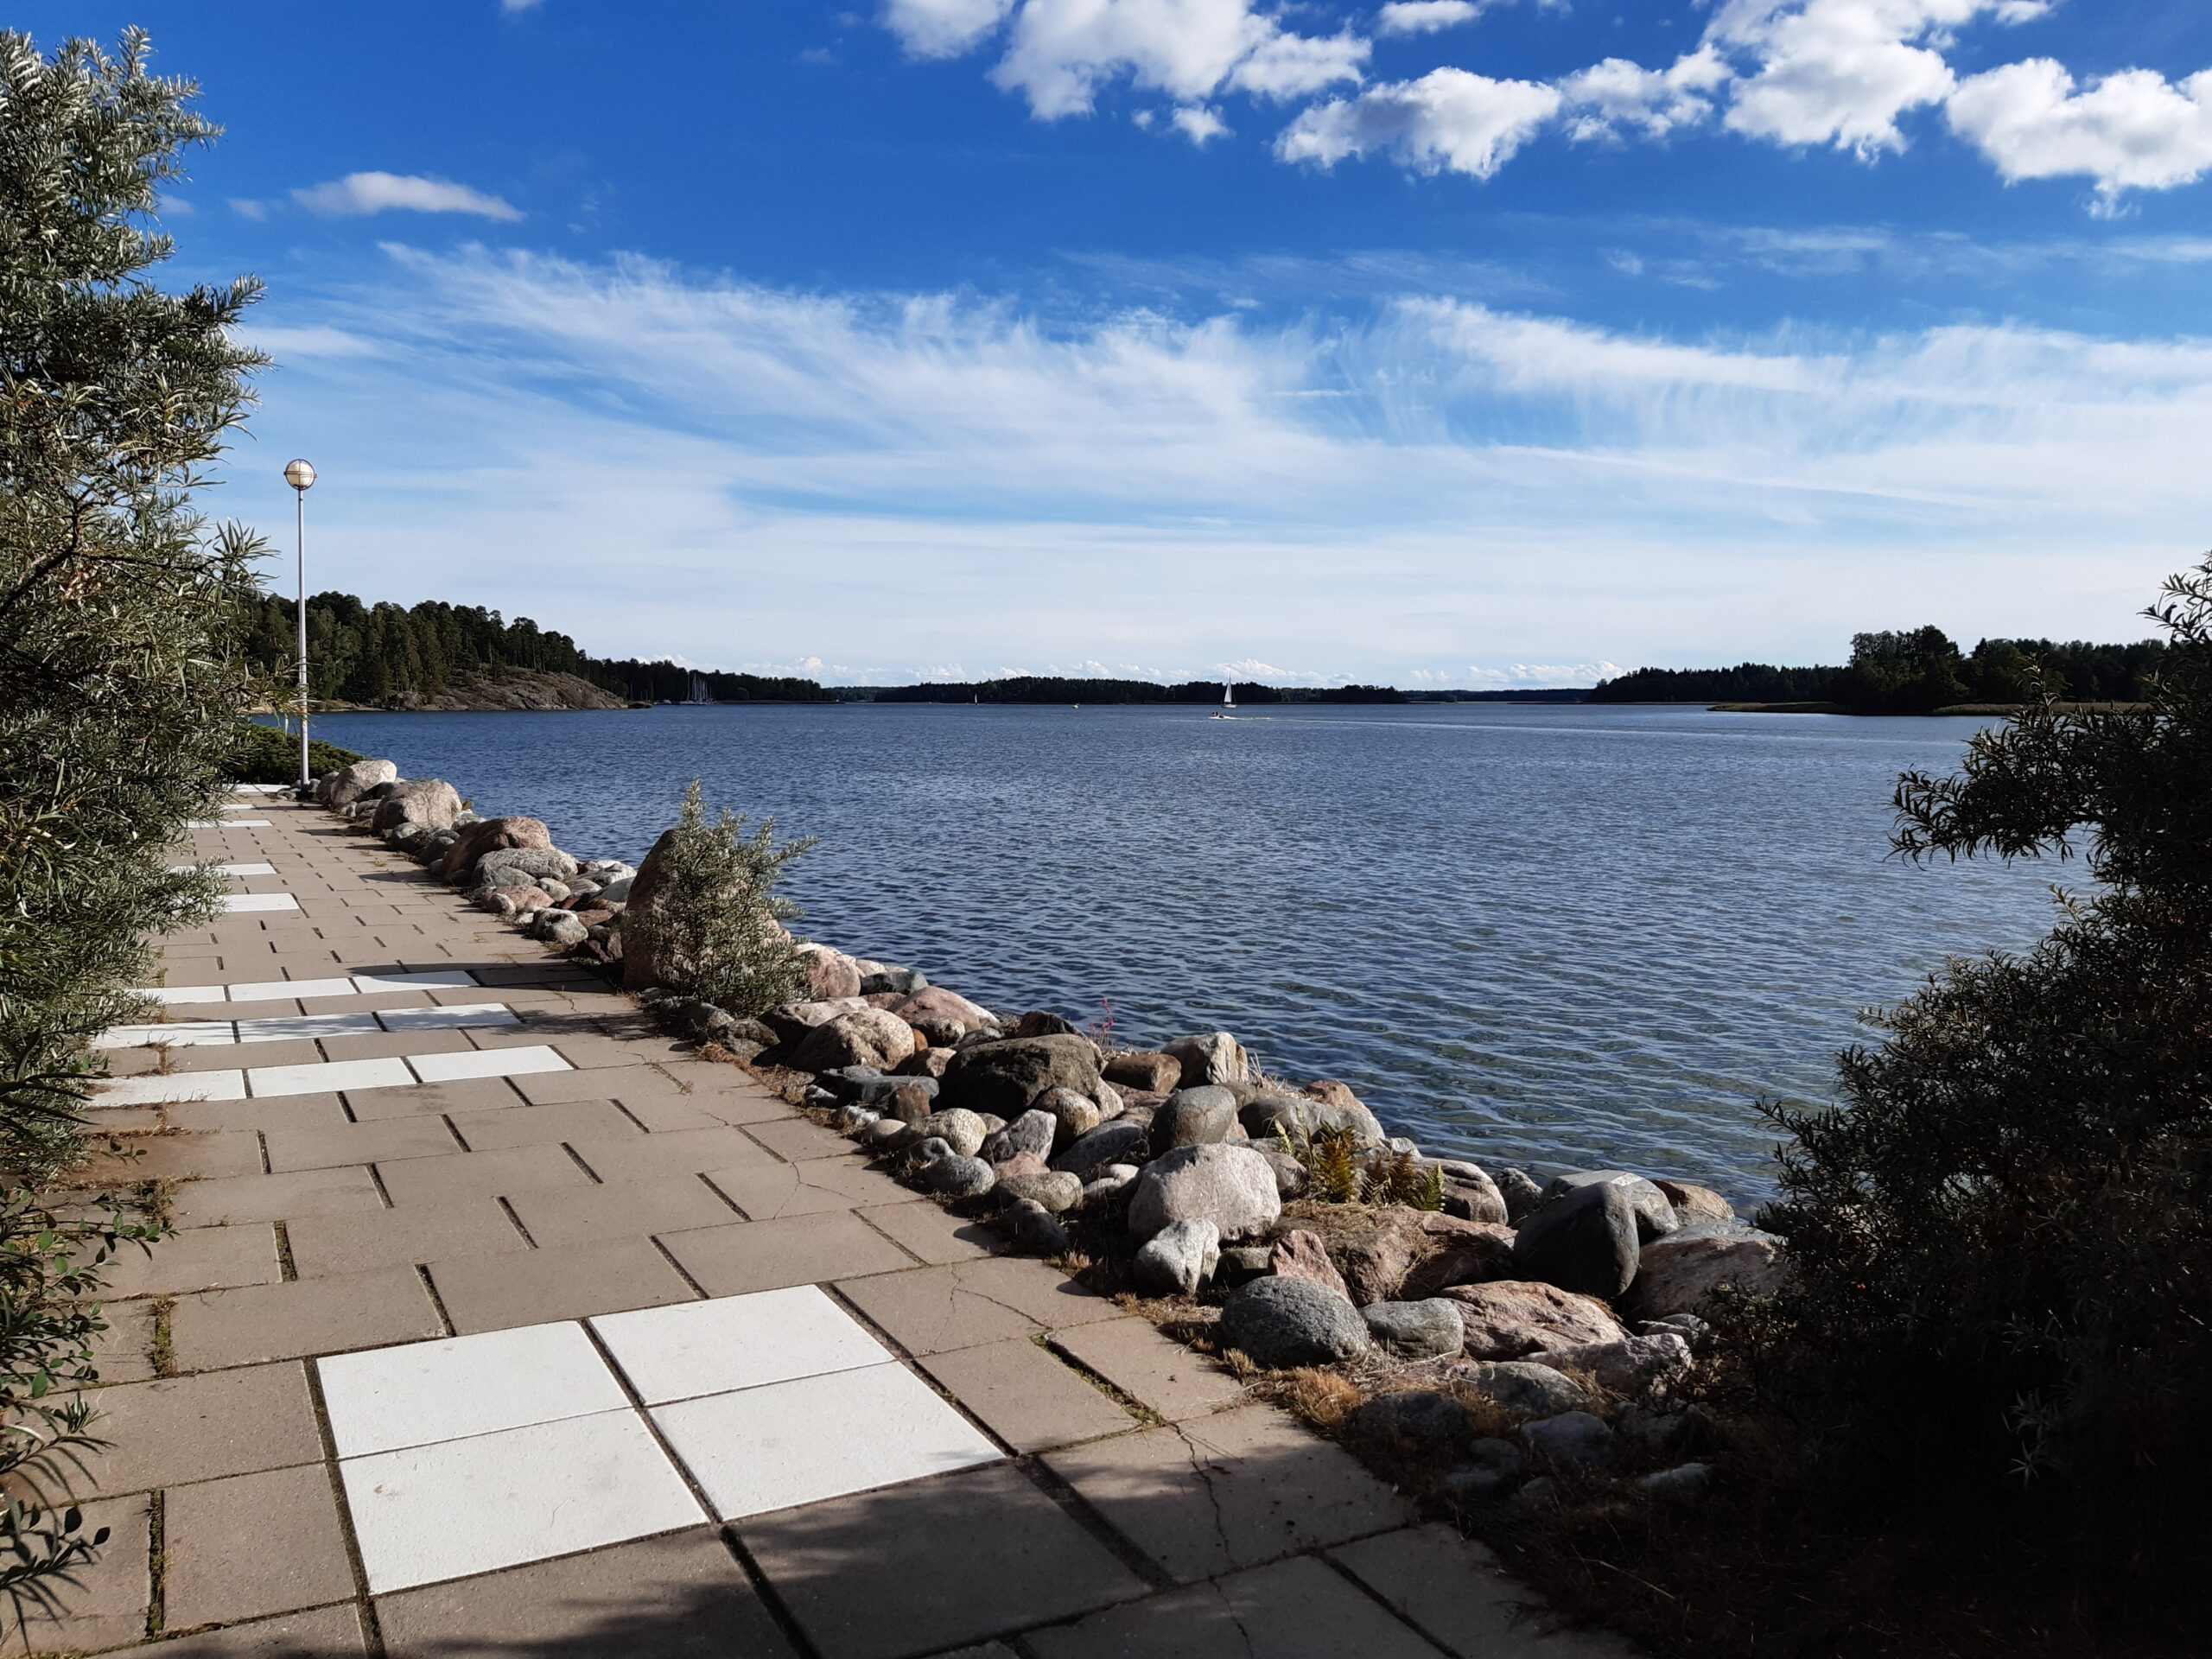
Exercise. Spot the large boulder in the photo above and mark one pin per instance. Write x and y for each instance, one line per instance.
(1210, 1056)
(1524, 1387)
(1676, 1275)
(935, 1003)
(829, 973)
(492, 836)
(864, 1037)
(1422, 1330)
(650, 956)
(1299, 1255)
(430, 802)
(352, 782)
(1033, 1132)
(1118, 1143)
(1229, 1186)
(1511, 1317)
(1277, 1323)
(1469, 1192)
(1193, 1117)
(1632, 1366)
(793, 1020)
(1375, 1249)
(1583, 1239)
(1468, 1253)
(1695, 1203)
(1006, 1077)
(1300, 1116)
(1655, 1211)
(507, 865)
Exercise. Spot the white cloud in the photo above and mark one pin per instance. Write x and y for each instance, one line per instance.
(944, 28)
(1616, 93)
(893, 480)
(1426, 17)
(1540, 676)
(2131, 130)
(1199, 123)
(247, 207)
(1060, 53)
(1842, 71)
(361, 194)
(515, 8)
(1449, 119)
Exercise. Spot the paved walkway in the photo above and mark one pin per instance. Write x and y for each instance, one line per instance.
(498, 1324)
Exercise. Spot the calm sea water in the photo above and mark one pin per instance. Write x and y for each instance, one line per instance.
(1553, 936)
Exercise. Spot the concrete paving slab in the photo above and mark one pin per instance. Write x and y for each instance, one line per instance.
(253, 1545)
(632, 1158)
(326, 1633)
(766, 1191)
(255, 1322)
(1294, 1610)
(735, 1342)
(1042, 1566)
(353, 1241)
(197, 1258)
(107, 1605)
(632, 1210)
(186, 1429)
(1027, 1396)
(1162, 1376)
(422, 1392)
(330, 1146)
(276, 1197)
(529, 1126)
(415, 1183)
(794, 1250)
(966, 1304)
(935, 1235)
(494, 1292)
(1453, 1590)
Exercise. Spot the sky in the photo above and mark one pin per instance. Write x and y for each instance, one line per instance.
(1472, 343)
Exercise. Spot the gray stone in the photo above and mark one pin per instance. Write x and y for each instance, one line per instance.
(1291, 1179)
(1277, 1323)
(854, 1119)
(1572, 1438)
(1177, 1259)
(1193, 1117)
(427, 804)
(1109, 1186)
(866, 1037)
(1057, 1191)
(1634, 1365)
(1677, 1275)
(1073, 1115)
(1583, 1240)
(1525, 1387)
(1033, 1131)
(521, 865)
(352, 782)
(961, 1130)
(1655, 1212)
(1210, 1056)
(1419, 1425)
(1469, 1193)
(1118, 1143)
(887, 1135)
(1241, 1263)
(559, 927)
(1034, 1228)
(1684, 1483)
(956, 1176)
(900, 981)
(1231, 1186)
(1520, 1191)
(1488, 1470)
(1270, 1117)
(1422, 1330)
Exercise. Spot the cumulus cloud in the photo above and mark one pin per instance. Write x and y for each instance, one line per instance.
(1537, 677)
(1842, 71)
(1199, 123)
(360, 193)
(944, 28)
(2131, 130)
(1448, 120)
(1616, 93)
(1426, 17)
(1060, 53)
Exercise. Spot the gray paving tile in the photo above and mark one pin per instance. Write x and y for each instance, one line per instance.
(794, 1250)
(1294, 1610)
(496, 1292)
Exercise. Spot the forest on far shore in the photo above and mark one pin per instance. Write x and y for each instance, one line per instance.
(1913, 671)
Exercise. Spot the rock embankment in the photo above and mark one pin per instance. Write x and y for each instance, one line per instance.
(1485, 1326)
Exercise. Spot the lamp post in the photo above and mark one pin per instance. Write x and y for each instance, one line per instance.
(301, 476)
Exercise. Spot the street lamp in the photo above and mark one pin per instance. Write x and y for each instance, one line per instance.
(301, 476)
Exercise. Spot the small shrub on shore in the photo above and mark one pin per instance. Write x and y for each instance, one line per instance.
(264, 754)
(721, 930)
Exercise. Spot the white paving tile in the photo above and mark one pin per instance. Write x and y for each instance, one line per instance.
(182, 1034)
(328, 1077)
(487, 1062)
(277, 1028)
(422, 1392)
(250, 901)
(465, 1016)
(735, 1342)
(180, 1085)
(454, 979)
(167, 993)
(436, 1512)
(275, 990)
(798, 1442)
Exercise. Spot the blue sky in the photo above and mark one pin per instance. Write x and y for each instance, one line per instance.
(1444, 343)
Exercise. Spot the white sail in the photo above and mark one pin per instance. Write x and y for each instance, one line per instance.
(1228, 695)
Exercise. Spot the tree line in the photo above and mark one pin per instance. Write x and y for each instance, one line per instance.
(392, 655)
(1049, 689)
(1914, 671)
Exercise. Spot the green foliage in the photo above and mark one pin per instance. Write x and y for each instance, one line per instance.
(1398, 1178)
(1913, 672)
(395, 655)
(265, 754)
(2003, 1239)
(121, 678)
(719, 923)
(1339, 1170)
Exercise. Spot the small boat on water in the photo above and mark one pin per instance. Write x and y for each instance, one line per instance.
(1228, 709)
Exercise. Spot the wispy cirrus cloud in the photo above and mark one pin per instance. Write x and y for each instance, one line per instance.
(893, 480)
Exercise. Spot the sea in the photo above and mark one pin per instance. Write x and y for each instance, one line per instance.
(1557, 936)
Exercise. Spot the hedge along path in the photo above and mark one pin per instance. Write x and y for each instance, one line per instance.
(543, 1333)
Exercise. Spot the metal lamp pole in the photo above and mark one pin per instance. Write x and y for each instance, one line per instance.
(301, 476)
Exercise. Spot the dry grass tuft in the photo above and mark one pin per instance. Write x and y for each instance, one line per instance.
(1322, 1398)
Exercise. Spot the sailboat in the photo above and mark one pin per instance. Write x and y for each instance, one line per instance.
(1228, 709)
(698, 690)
